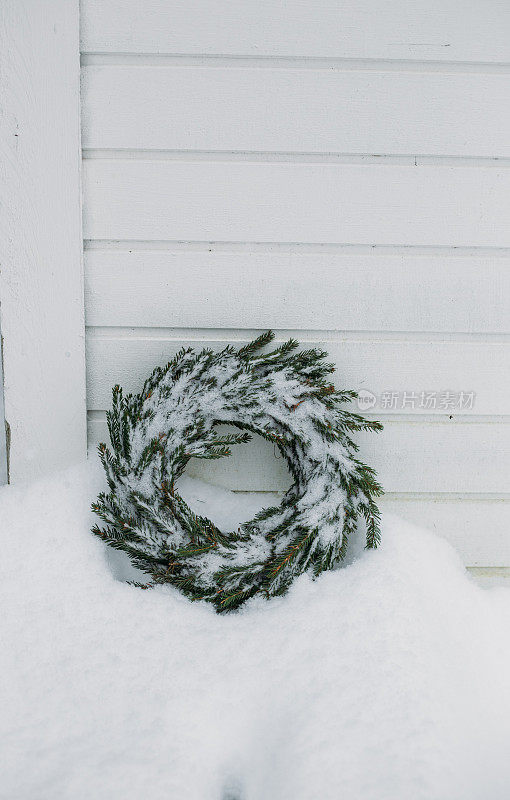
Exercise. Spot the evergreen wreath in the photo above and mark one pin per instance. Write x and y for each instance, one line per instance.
(282, 395)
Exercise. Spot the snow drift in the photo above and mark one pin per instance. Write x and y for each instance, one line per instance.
(387, 679)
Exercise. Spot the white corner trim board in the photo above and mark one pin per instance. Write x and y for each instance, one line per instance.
(4, 475)
(41, 279)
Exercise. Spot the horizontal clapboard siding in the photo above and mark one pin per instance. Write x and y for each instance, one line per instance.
(336, 171)
(417, 457)
(297, 288)
(171, 108)
(290, 202)
(379, 366)
(477, 527)
(442, 30)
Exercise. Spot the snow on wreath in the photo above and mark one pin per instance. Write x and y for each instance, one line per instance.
(284, 396)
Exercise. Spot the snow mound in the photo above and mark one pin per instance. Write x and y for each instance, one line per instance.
(387, 679)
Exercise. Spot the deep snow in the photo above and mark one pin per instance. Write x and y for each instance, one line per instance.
(387, 679)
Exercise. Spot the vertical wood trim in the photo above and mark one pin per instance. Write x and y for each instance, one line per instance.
(41, 265)
(4, 471)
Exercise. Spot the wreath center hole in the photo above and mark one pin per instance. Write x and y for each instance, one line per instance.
(257, 473)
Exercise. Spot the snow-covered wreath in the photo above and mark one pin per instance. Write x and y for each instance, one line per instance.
(282, 395)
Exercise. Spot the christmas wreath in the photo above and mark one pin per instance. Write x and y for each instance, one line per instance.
(284, 396)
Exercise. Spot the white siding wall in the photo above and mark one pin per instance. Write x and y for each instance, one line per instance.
(338, 171)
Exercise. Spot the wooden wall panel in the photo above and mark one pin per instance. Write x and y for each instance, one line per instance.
(334, 289)
(337, 170)
(478, 529)
(295, 110)
(422, 457)
(380, 366)
(290, 202)
(440, 30)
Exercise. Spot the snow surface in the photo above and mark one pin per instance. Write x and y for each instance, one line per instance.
(387, 679)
